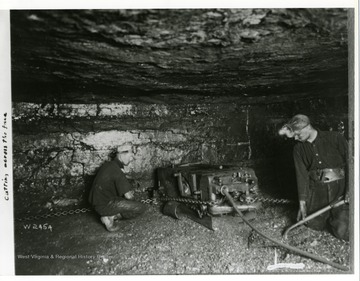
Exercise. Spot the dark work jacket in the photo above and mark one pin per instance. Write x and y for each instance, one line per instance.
(110, 183)
(328, 150)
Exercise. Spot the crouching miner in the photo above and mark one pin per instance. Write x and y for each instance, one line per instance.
(111, 194)
(321, 161)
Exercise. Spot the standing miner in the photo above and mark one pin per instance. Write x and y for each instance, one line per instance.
(321, 166)
(111, 194)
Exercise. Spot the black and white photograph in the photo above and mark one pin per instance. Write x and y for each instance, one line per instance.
(214, 140)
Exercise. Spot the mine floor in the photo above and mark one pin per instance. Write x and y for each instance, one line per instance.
(155, 244)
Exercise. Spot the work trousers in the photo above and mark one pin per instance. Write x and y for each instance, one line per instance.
(126, 208)
(337, 219)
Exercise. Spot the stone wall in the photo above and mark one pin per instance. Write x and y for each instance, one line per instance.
(58, 148)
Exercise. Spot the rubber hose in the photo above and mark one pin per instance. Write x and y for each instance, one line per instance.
(291, 248)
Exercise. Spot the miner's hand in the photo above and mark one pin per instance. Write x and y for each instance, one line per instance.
(129, 195)
(302, 211)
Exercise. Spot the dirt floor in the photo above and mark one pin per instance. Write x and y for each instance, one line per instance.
(155, 244)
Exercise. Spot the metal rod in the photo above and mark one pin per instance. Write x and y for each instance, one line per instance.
(314, 215)
(194, 186)
(180, 184)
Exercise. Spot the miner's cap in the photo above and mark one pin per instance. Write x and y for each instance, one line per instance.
(298, 122)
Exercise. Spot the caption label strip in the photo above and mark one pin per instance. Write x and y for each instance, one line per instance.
(5, 158)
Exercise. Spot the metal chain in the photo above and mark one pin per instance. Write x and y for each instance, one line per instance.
(211, 203)
(188, 201)
(72, 212)
(57, 214)
(271, 200)
(150, 201)
(155, 201)
(236, 195)
(76, 211)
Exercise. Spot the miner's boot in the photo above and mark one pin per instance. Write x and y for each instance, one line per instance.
(109, 223)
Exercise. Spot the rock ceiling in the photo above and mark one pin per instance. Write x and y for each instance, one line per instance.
(251, 55)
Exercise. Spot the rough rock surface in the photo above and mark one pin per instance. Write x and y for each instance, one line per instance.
(172, 55)
(58, 148)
